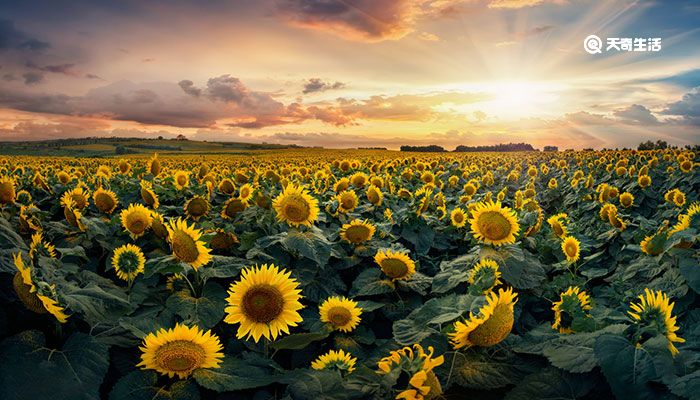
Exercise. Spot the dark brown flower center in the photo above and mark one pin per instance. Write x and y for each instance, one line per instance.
(263, 303)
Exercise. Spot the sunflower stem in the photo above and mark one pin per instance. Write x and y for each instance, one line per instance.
(189, 284)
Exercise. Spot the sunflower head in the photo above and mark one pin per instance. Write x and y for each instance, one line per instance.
(374, 195)
(347, 201)
(158, 225)
(558, 224)
(136, 220)
(181, 179)
(197, 207)
(148, 195)
(39, 297)
(265, 302)
(295, 206)
(105, 200)
(654, 245)
(626, 200)
(40, 247)
(338, 360)
(571, 309)
(223, 240)
(644, 181)
(78, 196)
(73, 216)
(8, 192)
(458, 217)
(484, 276)
(180, 351)
(232, 207)
(396, 265)
(340, 313)
(493, 224)
(571, 248)
(357, 231)
(246, 192)
(186, 244)
(416, 367)
(490, 325)
(128, 262)
(652, 316)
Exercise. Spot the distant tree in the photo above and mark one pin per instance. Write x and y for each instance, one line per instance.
(551, 148)
(425, 149)
(121, 150)
(501, 147)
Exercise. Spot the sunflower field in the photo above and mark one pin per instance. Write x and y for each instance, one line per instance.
(356, 274)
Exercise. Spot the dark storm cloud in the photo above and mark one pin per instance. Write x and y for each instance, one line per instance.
(189, 88)
(13, 38)
(318, 85)
(688, 108)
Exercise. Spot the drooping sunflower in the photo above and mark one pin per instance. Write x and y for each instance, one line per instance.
(40, 298)
(490, 325)
(347, 201)
(223, 240)
(185, 243)
(558, 224)
(40, 247)
(148, 195)
(8, 192)
(158, 225)
(128, 262)
(180, 351)
(105, 200)
(232, 207)
(340, 313)
(485, 275)
(339, 360)
(197, 207)
(265, 302)
(73, 216)
(654, 312)
(357, 231)
(653, 245)
(79, 197)
(136, 220)
(458, 218)
(573, 304)
(396, 265)
(422, 383)
(571, 248)
(181, 179)
(296, 207)
(493, 224)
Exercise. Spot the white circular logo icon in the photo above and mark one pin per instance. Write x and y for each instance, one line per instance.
(592, 44)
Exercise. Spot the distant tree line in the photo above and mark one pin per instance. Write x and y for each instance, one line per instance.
(649, 145)
(501, 147)
(424, 149)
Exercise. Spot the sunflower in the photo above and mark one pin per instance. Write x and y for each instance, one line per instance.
(158, 225)
(136, 220)
(396, 265)
(374, 195)
(246, 192)
(78, 195)
(339, 360)
(573, 304)
(148, 195)
(186, 245)
(458, 218)
(653, 315)
(73, 216)
(24, 197)
(223, 240)
(558, 224)
(490, 325)
(485, 275)
(128, 261)
(7, 190)
(226, 186)
(265, 301)
(181, 179)
(296, 207)
(653, 245)
(347, 201)
(679, 199)
(340, 313)
(493, 224)
(39, 247)
(232, 207)
(39, 298)
(626, 200)
(686, 166)
(644, 180)
(197, 207)
(571, 248)
(418, 365)
(105, 200)
(180, 351)
(357, 232)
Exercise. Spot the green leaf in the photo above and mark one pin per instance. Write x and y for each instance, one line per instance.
(298, 341)
(689, 268)
(310, 244)
(74, 372)
(551, 383)
(574, 353)
(417, 325)
(687, 386)
(234, 374)
(369, 282)
(626, 367)
(452, 273)
(205, 311)
(143, 385)
(480, 371)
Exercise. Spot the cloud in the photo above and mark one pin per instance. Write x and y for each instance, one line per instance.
(12, 38)
(189, 88)
(314, 85)
(636, 113)
(514, 3)
(688, 108)
(32, 78)
(65, 69)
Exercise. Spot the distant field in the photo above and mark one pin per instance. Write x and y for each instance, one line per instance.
(115, 147)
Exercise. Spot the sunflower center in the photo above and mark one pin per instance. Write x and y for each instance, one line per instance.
(79, 200)
(558, 230)
(494, 226)
(234, 207)
(347, 202)
(296, 209)
(394, 268)
(104, 202)
(7, 192)
(495, 328)
(179, 356)
(181, 180)
(570, 249)
(136, 224)
(29, 299)
(357, 233)
(339, 316)
(197, 207)
(263, 303)
(184, 247)
(147, 197)
(459, 218)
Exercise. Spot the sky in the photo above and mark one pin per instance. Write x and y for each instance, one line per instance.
(351, 73)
